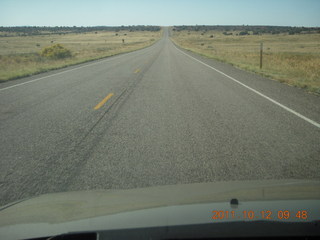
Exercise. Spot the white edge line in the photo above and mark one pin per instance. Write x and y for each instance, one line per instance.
(255, 91)
(111, 58)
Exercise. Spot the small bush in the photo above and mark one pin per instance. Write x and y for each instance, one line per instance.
(244, 33)
(56, 51)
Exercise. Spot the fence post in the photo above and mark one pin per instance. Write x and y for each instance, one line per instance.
(261, 48)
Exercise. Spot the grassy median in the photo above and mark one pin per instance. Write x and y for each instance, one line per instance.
(292, 59)
(20, 56)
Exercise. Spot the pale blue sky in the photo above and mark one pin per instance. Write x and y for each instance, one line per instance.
(162, 12)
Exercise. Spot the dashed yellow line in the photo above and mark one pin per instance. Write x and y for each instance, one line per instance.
(137, 70)
(100, 104)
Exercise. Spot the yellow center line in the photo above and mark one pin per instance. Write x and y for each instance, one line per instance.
(100, 104)
(137, 70)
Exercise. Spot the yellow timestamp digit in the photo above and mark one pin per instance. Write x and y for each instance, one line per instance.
(302, 215)
(248, 214)
(283, 214)
(266, 214)
(222, 214)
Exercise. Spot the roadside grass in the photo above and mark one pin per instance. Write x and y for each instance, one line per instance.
(20, 56)
(291, 59)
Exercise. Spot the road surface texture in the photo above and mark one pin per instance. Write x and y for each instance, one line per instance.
(156, 116)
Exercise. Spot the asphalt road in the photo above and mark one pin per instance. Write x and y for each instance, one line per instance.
(167, 118)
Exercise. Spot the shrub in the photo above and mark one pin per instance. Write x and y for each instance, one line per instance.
(243, 33)
(56, 51)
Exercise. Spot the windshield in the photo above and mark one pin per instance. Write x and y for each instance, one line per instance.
(109, 95)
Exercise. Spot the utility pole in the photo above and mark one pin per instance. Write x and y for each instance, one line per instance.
(261, 49)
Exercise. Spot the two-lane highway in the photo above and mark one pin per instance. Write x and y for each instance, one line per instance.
(152, 117)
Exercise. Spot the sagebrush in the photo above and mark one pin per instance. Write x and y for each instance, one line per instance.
(56, 51)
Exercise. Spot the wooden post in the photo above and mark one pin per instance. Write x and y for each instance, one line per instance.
(261, 48)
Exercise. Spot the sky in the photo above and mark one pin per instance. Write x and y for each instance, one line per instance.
(162, 12)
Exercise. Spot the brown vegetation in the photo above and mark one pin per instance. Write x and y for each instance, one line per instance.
(25, 55)
(292, 59)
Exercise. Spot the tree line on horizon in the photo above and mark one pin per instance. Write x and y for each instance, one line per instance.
(35, 30)
(247, 29)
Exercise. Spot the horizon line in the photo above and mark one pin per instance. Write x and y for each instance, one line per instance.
(178, 25)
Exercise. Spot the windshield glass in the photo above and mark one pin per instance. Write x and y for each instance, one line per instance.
(110, 95)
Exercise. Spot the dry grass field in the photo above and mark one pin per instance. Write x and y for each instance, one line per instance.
(20, 55)
(292, 59)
